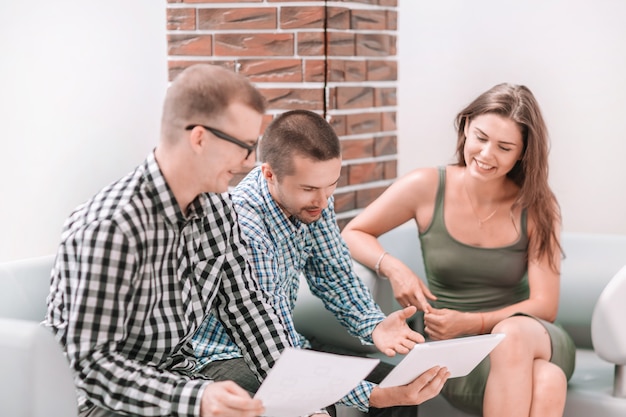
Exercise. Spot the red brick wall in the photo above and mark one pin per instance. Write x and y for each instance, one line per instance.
(337, 58)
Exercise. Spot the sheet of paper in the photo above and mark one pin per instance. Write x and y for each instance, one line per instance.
(303, 381)
(460, 356)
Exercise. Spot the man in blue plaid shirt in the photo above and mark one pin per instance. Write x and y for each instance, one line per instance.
(285, 210)
(142, 263)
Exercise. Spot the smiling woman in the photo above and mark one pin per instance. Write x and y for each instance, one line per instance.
(450, 51)
(489, 229)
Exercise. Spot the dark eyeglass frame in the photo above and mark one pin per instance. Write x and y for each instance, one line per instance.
(228, 138)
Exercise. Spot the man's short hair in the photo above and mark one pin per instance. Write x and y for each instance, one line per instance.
(298, 132)
(202, 92)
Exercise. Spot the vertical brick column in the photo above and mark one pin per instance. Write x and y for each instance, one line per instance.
(337, 58)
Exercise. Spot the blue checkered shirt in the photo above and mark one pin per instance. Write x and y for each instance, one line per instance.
(282, 250)
(133, 280)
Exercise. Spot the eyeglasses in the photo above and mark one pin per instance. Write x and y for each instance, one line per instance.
(228, 138)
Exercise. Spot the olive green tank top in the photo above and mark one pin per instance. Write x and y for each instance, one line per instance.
(470, 278)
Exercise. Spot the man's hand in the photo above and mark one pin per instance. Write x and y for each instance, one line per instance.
(226, 399)
(393, 335)
(426, 386)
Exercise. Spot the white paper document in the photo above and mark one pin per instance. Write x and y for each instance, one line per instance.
(460, 356)
(303, 381)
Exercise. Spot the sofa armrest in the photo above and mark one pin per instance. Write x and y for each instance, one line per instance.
(24, 286)
(36, 379)
(607, 328)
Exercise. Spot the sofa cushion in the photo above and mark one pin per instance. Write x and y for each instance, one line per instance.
(36, 380)
(313, 321)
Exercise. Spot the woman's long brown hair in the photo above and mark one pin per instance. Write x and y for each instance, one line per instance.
(530, 173)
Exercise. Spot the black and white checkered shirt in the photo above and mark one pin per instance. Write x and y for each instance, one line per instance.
(134, 278)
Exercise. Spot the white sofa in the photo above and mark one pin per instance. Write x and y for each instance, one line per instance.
(592, 260)
(36, 381)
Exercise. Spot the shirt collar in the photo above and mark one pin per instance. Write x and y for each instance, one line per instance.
(163, 197)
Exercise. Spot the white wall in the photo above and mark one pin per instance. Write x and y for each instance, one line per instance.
(570, 53)
(81, 87)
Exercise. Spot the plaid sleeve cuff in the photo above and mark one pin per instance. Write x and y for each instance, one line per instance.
(366, 328)
(359, 397)
(187, 398)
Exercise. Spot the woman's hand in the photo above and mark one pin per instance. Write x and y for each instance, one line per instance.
(440, 324)
(407, 287)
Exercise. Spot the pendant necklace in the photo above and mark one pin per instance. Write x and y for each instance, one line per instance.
(478, 219)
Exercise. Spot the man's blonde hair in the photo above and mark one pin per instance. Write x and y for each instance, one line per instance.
(202, 92)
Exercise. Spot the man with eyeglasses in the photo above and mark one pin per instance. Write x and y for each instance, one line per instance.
(142, 263)
(250, 147)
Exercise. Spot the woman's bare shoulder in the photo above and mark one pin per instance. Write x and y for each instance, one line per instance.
(422, 178)
(415, 188)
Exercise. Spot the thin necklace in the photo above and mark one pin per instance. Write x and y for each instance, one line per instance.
(478, 219)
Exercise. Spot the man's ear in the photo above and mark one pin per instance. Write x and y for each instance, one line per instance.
(268, 173)
(196, 138)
